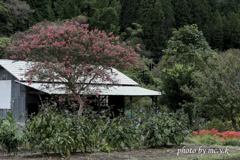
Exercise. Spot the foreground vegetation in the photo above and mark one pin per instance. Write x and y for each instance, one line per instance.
(51, 131)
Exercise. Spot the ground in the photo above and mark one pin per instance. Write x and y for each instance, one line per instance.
(161, 153)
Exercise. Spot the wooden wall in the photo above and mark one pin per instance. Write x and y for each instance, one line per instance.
(18, 95)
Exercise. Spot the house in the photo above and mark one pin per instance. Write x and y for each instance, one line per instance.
(25, 99)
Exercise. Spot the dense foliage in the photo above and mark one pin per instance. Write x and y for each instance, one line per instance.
(63, 133)
(216, 89)
(4, 43)
(122, 132)
(186, 50)
(164, 128)
(218, 20)
(9, 136)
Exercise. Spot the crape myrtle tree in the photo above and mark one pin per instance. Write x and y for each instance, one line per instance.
(72, 55)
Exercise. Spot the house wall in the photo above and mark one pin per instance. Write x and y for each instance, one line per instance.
(18, 95)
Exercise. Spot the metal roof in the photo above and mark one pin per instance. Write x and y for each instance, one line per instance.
(18, 68)
(112, 90)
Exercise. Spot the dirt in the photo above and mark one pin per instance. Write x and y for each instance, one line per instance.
(161, 153)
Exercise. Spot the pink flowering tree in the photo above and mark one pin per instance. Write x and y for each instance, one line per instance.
(71, 55)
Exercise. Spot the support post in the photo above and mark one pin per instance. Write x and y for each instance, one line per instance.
(131, 107)
(157, 104)
(152, 104)
(99, 107)
(124, 106)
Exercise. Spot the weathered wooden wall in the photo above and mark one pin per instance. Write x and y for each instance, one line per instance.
(18, 96)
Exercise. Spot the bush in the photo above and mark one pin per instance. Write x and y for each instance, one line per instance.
(231, 143)
(219, 125)
(122, 132)
(9, 139)
(209, 139)
(51, 131)
(163, 128)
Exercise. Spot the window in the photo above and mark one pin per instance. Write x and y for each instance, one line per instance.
(5, 94)
(103, 101)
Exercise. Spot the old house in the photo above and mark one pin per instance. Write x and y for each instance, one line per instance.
(25, 99)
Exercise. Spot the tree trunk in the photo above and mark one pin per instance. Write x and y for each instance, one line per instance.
(81, 105)
(234, 124)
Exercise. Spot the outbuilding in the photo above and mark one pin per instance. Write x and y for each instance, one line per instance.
(25, 99)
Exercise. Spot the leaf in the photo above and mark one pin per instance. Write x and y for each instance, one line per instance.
(9, 114)
(20, 117)
(122, 144)
(120, 128)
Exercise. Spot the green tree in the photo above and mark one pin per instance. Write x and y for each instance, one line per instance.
(67, 9)
(182, 13)
(4, 43)
(216, 89)
(5, 22)
(186, 47)
(229, 6)
(41, 10)
(184, 54)
(172, 81)
(232, 31)
(169, 20)
(129, 13)
(20, 12)
(101, 14)
(214, 5)
(135, 35)
(216, 29)
(200, 11)
(154, 37)
(106, 16)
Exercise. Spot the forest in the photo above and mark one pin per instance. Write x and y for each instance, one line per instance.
(148, 22)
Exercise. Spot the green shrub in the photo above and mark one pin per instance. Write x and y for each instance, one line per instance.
(105, 147)
(63, 134)
(209, 139)
(163, 128)
(191, 139)
(219, 125)
(230, 143)
(9, 139)
(122, 132)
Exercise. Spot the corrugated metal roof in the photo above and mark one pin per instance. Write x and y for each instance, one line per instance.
(112, 90)
(18, 69)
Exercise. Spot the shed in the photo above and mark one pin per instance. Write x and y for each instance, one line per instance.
(25, 99)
